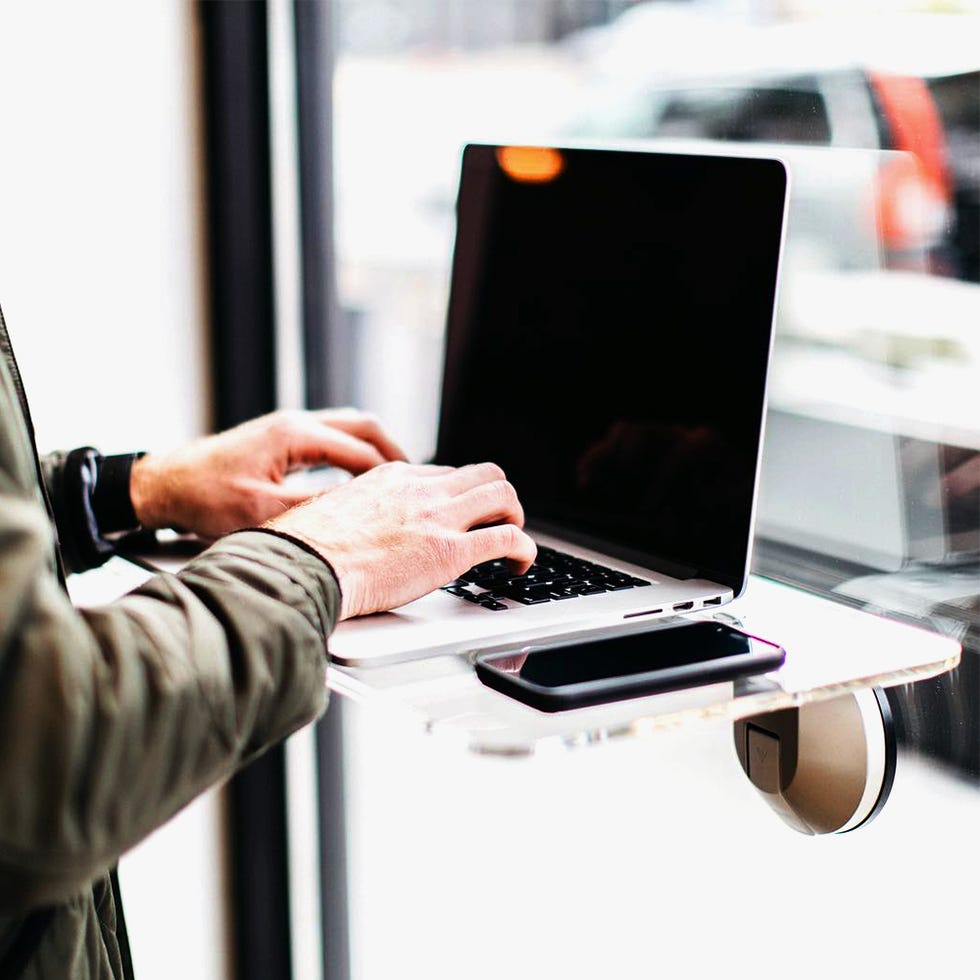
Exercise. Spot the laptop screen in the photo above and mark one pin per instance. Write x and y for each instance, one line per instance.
(608, 341)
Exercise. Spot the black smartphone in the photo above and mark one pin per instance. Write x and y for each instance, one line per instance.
(567, 675)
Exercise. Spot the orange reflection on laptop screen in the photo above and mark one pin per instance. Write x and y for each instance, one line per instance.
(530, 164)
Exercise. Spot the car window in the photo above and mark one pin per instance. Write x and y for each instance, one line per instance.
(756, 114)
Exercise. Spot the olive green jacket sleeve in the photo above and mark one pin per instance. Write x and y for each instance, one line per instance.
(113, 719)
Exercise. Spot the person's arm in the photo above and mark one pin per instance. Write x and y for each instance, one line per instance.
(238, 478)
(113, 719)
(210, 486)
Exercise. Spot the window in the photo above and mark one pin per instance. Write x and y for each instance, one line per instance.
(871, 477)
(777, 114)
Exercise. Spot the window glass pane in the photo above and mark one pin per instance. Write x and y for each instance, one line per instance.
(871, 462)
(756, 115)
(870, 487)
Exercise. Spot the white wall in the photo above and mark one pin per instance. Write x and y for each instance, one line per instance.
(646, 858)
(101, 283)
(100, 251)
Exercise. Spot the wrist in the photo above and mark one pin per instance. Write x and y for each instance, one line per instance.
(309, 544)
(144, 496)
(346, 582)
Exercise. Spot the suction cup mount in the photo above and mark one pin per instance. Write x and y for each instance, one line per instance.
(826, 767)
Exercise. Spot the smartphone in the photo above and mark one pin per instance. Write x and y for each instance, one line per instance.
(573, 675)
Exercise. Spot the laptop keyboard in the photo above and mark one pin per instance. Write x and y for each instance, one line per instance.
(554, 577)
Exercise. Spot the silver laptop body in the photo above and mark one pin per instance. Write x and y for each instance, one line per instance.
(609, 332)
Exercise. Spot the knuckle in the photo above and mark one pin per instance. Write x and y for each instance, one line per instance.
(357, 416)
(508, 491)
(283, 420)
(412, 494)
(510, 535)
(427, 512)
(446, 551)
(502, 493)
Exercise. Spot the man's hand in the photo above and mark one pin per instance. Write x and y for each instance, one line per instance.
(401, 531)
(234, 479)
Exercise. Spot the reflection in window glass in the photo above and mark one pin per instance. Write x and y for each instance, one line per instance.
(874, 434)
(871, 476)
(958, 104)
(757, 115)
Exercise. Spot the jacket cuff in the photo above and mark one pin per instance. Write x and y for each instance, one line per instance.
(90, 501)
(302, 563)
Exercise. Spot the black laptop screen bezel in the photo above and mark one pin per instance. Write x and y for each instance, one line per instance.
(764, 178)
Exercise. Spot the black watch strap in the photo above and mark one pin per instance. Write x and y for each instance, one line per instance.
(112, 505)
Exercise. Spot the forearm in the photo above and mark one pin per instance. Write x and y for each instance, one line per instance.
(113, 719)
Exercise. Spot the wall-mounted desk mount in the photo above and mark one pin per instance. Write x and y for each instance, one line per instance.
(818, 729)
(815, 737)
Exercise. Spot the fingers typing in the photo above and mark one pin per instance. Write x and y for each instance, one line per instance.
(501, 541)
(473, 475)
(489, 503)
(315, 445)
(365, 427)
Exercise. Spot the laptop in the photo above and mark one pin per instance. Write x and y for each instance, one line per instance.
(608, 340)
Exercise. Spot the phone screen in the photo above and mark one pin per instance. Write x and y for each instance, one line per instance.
(628, 665)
